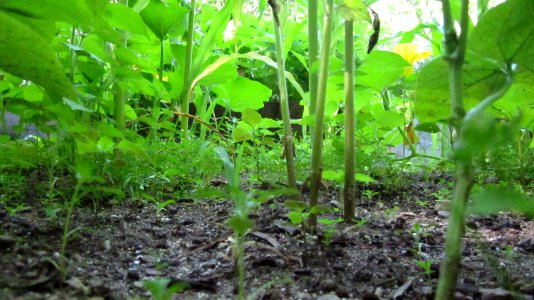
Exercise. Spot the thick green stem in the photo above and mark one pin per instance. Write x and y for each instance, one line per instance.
(350, 125)
(284, 103)
(313, 52)
(455, 54)
(317, 144)
(455, 230)
(184, 123)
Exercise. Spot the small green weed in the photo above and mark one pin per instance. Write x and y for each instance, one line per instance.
(160, 289)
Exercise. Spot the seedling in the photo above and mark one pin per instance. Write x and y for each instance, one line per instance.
(369, 195)
(329, 230)
(160, 206)
(426, 265)
(160, 289)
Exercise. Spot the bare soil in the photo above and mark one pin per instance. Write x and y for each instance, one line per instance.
(112, 253)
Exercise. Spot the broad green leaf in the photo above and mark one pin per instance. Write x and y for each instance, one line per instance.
(506, 33)
(242, 93)
(221, 74)
(32, 93)
(320, 210)
(251, 55)
(381, 69)
(336, 176)
(497, 199)
(427, 127)
(216, 29)
(390, 119)
(240, 134)
(295, 205)
(363, 178)
(105, 144)
(76, 105)
(251, 117)
(269, 123)
(162, 18)
(354, 10)
(140, 5)
(82, 52)
(295, 217)
(123, 17)
(129, 112)
(432, 93)
(76, 12)
(519, 98)
(26, 54)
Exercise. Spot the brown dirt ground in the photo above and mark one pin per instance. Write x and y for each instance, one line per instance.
(114, 252)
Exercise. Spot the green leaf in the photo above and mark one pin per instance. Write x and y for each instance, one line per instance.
(269, 123)
(229, 168)
(354, 10)
(105, 144)
(363, 178)
(497, 199)
(506, 33)
(240, 224)
(216, 29)
(133, 148)
(481, 78)
(381, 69)
(83, 52)
(240, 134)
(123, 17)
(26, 54)
(250, 55)
(220, 75)
(76, 12)
(162, 18)
(251, 117)
(295, 205)
(295, 217)
(427, 127)
(336, 176)
(390, 119)
(76, 105)
(320, 210)
(242, 93)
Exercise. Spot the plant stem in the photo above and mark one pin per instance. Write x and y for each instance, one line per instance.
(187, 70)
(317, 142)
(455, 54)
(313, 52)
(66, 227)
(350, 125)
(284, 101)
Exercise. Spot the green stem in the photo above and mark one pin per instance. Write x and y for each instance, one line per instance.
(187, 69)
(284, 102)
(313, 52)
(66, 227)
(455, 54)
(317, 143)
(350, 125)
(72, 54)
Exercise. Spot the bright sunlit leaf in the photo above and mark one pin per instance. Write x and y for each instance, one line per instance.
(364, 178)
(354, 10)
